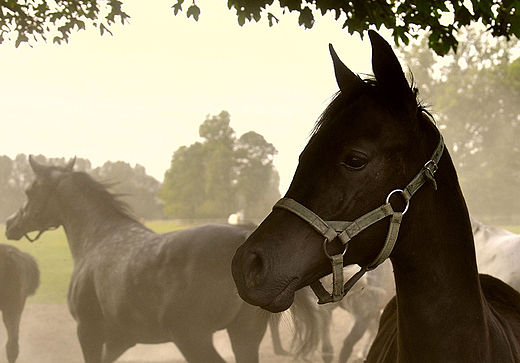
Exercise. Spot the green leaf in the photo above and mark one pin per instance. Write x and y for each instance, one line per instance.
(272, 19)
(103, 29)
(306, 18)
(21, 39)
(193, 11)
(177, 7)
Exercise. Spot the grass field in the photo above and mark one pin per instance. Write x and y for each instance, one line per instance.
(53, 255)
(55, 261)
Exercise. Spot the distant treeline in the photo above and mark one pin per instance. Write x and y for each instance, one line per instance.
(215, 178)
(132, 184)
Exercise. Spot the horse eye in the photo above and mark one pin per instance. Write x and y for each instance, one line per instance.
(354, 162)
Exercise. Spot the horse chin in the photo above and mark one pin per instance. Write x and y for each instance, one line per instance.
(283, 300)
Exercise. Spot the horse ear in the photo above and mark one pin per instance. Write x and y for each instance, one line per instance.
(345, 78)
(70, 164)
(39, 169)
(390, 76)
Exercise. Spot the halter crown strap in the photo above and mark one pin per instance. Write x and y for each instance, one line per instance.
(345, 230)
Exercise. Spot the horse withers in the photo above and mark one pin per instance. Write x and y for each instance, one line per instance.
(19, 278)
(375, 182)
(130, 285)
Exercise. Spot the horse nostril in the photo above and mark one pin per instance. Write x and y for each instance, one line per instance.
(255, 274)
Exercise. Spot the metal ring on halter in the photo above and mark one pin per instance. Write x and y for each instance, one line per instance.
(398, 191)
(325, 249)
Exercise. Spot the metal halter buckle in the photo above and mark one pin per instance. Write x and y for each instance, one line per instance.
(327, 253)
(431, 167)
(406, 200)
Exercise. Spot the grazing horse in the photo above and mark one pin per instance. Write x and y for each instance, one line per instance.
(19, 278)
(131, 285)
(375, 182)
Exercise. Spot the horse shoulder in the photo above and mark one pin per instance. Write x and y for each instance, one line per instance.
(504, 314)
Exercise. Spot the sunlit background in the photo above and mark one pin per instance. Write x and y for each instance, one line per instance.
(138, 95)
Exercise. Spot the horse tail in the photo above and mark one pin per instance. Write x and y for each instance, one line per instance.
(304, 314)
(29, 271)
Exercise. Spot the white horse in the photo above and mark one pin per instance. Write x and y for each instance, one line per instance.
(498, 252)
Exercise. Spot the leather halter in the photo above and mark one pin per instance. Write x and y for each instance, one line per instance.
(39, 212)
(345, 230)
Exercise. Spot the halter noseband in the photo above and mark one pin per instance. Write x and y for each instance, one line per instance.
(345, 230)
(38, 218)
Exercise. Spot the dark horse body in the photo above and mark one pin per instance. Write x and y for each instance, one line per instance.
(19, 278)
(374, 138)
(130, 285)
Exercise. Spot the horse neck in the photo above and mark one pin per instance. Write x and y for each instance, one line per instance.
(87, 223)
(440, 305)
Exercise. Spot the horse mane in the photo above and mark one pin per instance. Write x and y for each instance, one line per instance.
(99, 193)
(340, 101)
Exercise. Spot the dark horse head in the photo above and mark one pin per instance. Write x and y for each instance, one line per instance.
(41, 211)
(367, 143)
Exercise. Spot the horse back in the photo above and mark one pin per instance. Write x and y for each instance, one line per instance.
(154, 277)
(19, 273)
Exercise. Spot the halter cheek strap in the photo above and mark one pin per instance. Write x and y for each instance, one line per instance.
(345, 230)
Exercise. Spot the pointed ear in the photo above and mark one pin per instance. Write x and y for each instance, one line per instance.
(39, 169)
(390, 76)
(345, 78)
(70, 164)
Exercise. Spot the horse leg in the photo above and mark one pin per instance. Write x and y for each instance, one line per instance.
(357, 332)
(246, 332)
(197, 347)
(274, 327)
(11, 319)
(114, 349)
(373, 326)
(91, 339)
(325, 322)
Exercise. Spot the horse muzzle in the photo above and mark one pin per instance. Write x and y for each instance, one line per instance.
(13, 230)
(270, 266)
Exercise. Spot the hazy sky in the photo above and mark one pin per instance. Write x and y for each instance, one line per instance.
(140, 94)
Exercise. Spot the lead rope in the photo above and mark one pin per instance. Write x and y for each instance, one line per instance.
(345, 230)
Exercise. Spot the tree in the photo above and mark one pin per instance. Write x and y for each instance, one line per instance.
(183, 189)
(476, 96)
(257, 179)
(133, 186)
(219, 139)
(38, 18)
(404, 18)
(222, 174)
